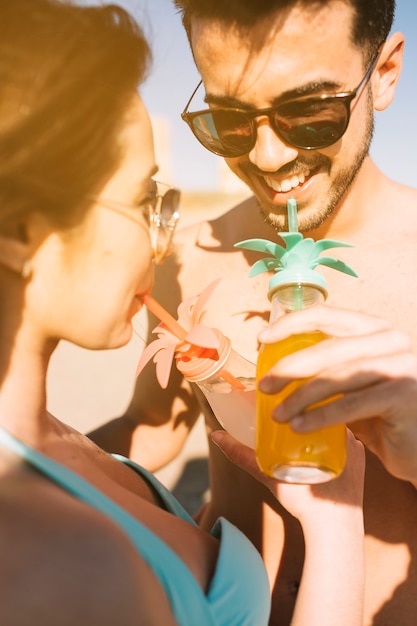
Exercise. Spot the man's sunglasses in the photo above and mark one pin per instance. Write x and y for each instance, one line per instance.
(307, 122)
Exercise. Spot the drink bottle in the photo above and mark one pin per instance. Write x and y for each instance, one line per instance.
(205, 357)
(228, 383)
(317, 456)
(294, 457)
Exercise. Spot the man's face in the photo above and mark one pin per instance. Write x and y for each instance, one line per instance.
(301, 49)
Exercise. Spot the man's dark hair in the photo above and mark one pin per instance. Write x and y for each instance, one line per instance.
(373, 18)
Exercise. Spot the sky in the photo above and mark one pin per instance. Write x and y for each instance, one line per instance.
(174, 77)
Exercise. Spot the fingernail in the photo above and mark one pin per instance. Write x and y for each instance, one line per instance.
(278, 414)
(266, 384)
(298, 423)
(263, 335)
(217, 436)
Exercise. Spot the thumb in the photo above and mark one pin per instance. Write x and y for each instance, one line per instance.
(237, 453)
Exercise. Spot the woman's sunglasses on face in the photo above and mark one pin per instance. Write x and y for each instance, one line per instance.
(306, 123)
(161, 211)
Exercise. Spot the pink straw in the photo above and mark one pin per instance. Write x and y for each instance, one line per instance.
(229, 378)
(165, 317)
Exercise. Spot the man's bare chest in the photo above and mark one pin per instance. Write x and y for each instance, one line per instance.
(240, 307)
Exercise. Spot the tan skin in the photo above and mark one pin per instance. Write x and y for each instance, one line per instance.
(63, 562)
(390, 504)
(25, 353)
(378, 216)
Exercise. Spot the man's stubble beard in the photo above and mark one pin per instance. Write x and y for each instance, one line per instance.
(339, 188)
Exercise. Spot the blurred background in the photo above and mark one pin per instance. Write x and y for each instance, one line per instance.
(88, 388)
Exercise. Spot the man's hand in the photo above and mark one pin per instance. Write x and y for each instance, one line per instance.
(366, 361)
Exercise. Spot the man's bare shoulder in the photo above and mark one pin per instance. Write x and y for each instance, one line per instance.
(393, 219)
(398, 201)
(223, 230)
(402, 189)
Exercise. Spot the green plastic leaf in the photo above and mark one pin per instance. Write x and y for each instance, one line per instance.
(325, 244)
(260, 245)
(291, 239)
(264, 265)
(337, 265)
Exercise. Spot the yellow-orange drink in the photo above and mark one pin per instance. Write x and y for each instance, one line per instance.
(305, 458)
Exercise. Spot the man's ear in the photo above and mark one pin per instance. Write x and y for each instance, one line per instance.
(388, 71)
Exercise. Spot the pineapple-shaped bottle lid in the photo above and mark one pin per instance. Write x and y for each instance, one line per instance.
(296, 262)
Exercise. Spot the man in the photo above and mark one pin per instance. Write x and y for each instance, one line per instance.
(260, 56)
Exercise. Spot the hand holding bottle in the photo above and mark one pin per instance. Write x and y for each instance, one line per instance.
(366, 361)
(305, 502)
(331, 518)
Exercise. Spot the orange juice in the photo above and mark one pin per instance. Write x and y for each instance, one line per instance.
(300, 458)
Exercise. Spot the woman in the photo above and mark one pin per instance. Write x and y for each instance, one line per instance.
(88, 538)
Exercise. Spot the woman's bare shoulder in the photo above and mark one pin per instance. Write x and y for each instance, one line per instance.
(65, 563)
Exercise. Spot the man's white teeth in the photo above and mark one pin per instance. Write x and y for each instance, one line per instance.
(288, 183)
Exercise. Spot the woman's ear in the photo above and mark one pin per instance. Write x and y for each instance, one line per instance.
(19, 239)
(15, 255)
(388, 71)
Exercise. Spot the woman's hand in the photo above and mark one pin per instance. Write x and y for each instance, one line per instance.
(331, 516)
(310, 504)
(366, 361)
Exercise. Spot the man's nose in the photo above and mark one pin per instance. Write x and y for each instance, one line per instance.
(270, 152)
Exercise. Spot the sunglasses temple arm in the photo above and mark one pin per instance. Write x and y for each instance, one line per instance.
(192, 96)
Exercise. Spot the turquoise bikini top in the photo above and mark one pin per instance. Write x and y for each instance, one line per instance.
(239, 592)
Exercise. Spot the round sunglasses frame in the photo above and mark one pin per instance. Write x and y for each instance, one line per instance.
(161, 212)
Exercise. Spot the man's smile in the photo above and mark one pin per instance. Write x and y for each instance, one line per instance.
(289, 182)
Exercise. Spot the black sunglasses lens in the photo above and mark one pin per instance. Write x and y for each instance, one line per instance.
(312, 124)
(226, 133)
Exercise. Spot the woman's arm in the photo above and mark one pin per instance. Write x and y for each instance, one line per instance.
(332, 585)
